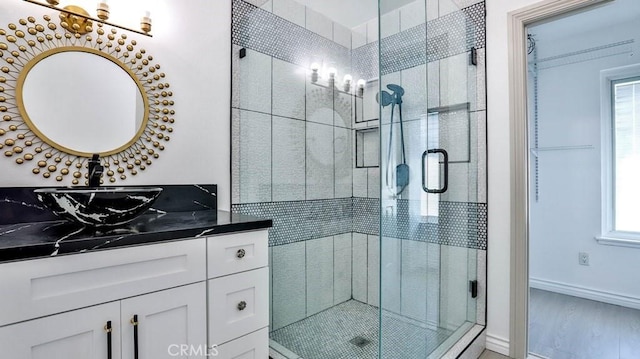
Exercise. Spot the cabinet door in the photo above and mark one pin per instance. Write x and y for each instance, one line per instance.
(238, 304)
(79, 334)
(170, 323)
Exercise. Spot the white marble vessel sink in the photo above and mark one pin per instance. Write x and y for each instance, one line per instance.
(98, 206)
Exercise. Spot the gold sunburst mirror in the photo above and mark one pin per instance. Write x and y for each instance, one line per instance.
(66, 95)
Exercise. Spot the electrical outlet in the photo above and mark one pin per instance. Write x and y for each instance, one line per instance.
(583, 258)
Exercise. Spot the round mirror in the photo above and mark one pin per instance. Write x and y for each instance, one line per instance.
(73, 95)
(81, 101)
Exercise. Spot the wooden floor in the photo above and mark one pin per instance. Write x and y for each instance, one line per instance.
(488, 354)
(566, 327)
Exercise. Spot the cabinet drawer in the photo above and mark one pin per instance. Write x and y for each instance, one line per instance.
(40, 287)
(238, 252)
(251, 346)
(238, 304)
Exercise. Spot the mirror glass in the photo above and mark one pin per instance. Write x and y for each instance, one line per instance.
(83, 102)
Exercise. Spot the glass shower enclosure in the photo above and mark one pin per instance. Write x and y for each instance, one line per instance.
(432, 141)
(362, 133)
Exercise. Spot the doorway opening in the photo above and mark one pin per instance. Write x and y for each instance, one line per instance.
(578, 149)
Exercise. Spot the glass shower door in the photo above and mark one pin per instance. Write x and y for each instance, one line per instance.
(429, 179)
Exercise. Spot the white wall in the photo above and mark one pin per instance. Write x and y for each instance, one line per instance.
(195, 55)
(566, 218)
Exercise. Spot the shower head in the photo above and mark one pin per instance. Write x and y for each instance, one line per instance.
(386, 100)
(397, 92)
(396, 89)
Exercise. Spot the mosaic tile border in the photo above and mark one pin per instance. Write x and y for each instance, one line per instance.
(262, 31)
(295, 221)
(461, 224)
(446, 36)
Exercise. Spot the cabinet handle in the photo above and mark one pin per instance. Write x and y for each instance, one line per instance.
(242, 305)
(241, 253)
(107, 328)
(134, 322)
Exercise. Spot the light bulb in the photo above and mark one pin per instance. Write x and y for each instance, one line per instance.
(145, 22)
(103, 10)
(332, 73)
(346, 82)
(314, 72)
(361, 84)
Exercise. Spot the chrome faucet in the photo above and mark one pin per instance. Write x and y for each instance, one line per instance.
(95, 171)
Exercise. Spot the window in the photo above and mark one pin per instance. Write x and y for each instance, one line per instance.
(620, 156)
(626, 154)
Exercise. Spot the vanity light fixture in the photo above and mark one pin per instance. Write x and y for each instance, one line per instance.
(79, 22)
(347, 86)
(346, 82)
(314, 72)
(102, 10)
(145, 22)
(332, 75)
(361, 84)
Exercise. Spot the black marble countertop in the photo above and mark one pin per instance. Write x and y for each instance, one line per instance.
(22, 241)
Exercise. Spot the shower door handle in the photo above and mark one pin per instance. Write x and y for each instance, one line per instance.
(445, 156)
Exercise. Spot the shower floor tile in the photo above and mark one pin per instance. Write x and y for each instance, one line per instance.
(350, 330)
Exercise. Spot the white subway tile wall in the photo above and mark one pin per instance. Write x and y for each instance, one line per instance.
(320, 282)
(288, 166)
(288, 85)
(342, 272)
(290, 10)
(289, 284)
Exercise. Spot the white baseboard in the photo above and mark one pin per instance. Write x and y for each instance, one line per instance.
(535, 356)
(497, 344)
(587, 293)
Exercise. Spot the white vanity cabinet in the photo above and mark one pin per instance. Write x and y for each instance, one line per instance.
(238, 295)
(182, 299)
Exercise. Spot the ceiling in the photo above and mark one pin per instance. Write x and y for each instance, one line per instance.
(352, 13)
(593, 18)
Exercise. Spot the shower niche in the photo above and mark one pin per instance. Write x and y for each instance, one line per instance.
(367, 147)
(366, 107)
